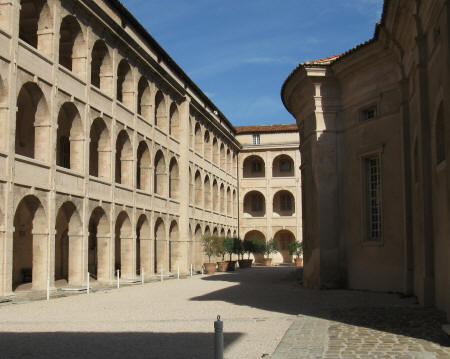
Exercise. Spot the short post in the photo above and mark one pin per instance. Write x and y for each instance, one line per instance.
(162, 274)
(218, 338)
(178, 272)
(191, 270)
(118, 278)
(48, 288)
(202, 270)
(87, 283)
(142, 275)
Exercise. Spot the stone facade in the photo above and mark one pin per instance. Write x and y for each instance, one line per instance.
(374, 132)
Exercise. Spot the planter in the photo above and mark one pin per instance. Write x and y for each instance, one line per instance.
(245, 263)
(210, 268)
(231, 266)
(298, 262)
(267, 262)
(222, 266)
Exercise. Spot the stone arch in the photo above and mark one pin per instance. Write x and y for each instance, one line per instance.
(123, 247)
(175, 254)
(215, 231)
(207, 231)
(125, 86)
(284, 237)
(255, 234)
(215, 152)
(124, 159)
(143, 169)
(222, 199)
(173, 178)
(160, 174)
(174, 121)
(35, 24)
(197, 252)
(99, 245)
(207, 192)
(222, 157)
(234, 164)
(283, 203)
(234, 204)
(234, 234)
(32, 123)
(30, 241)
(72, 46)
(229, 233)
(70, 139)
(229, 165)
(160, 245)
(215, 196)
(198, 138)
(198, 189)
(191, 133)
(99, 149)
(144, 101)
(160, 112)
(253, 167)
(254, 204)
(229, 202)
(191, 187)
(68, 245)
(207, 146)
(283, 166)
(101, 67)
(143, 245)
(222, 232)
(439, 131)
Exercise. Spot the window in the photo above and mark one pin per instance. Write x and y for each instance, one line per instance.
(373, 197)
(256, 167)
(368, 114)
(256, 140)
(285, 166)
(286, 204)
(257, 203)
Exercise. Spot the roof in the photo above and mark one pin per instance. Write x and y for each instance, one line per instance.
(290, 127)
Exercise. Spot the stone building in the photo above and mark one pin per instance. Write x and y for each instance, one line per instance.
(269, 201)
(375, 132)
(110, 156)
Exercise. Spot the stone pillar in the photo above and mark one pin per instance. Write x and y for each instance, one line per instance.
(76, 268)
(105, 267)
(40, 260)
(127, 258)
(42, 142)
(146, 254)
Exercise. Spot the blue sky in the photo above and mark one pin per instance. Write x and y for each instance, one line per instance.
(239, 52)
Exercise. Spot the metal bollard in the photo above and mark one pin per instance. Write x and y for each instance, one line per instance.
(218, 338)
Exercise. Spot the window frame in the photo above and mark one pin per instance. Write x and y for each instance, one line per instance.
(256, 139)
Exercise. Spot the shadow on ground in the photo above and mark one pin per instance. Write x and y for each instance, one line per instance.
(279, 289)
(69, 345)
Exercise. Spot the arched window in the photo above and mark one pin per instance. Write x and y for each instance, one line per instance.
(215, 197)
(174, 121)
(283, 166)
(72, 47)
(173, 178)
(254, 204)
(144, 105)
(143, 167)
(207, 146)
(283, 203)
(198, 189)
(125, 84)
(223, 161)
(207, 193)
(160, 112)
(101, 67)
(440, 135)
(124, 159)
(254, 167)
(215, 152)
(222, 199)
(229, 202)
(99, 150)
(160, 175)
(69, 152)
(198, 138)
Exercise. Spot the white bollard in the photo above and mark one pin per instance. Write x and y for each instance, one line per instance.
(202, 270)
(191, 270)
(48, 288)
(87, 283)
(162, 274)
(142, 275)
(178, 271)
(118, 278)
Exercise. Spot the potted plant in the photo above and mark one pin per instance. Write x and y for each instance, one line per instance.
(248, 247)
(296, 248)
(208, 243)
(219, 251)
(239, 248)
(229, 246)
(269, 247)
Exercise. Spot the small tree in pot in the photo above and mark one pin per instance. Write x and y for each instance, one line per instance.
(247, 247)
(229, 245)
(220, 251)
(208, 243)
(269, 247)
(296, 248)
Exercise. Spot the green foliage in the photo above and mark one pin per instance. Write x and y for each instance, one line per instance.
(259, 245)
(271, 246)
(295, 248)
(238, 247)
(228, 244)
(209, 244)
(248, 247)
(219, 247)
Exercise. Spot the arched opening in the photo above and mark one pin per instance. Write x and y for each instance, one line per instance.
(234, 234)
(144, 103)
(229, 202)
(124, 159)
(207, 193)
(215, 196)
(99, 245)
(234, 204)
(254, 204)
(215, 152)
(99, 150)
(30, 243)
(223, 161)
(283, 166)
(207, 231)
(255, 235)
(229, 233)
(198, 189)
(198, 139)
(143, 171)
(197, 252)
(68, 245)
(174, 247)
(72, 47)
(222, 199)
(174, 121)
(283, 204)
(35, 25)
(253, 167)
(70, 141)
(125, 85)
(284, 237)
(124, 254)
(101, 67)
(191, 187)
(440, 135)
(207, 146)
(173, 178)
(222, 232)
(229, 165)
(215, 231)
(32, 123)
(234, 164)
(160, 174)
(191, 134)
(160, 112)
(143, 246)
(160, 245)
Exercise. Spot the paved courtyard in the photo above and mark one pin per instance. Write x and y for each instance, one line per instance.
(266, 313)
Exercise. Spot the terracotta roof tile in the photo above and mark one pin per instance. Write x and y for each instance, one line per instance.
(291, 127)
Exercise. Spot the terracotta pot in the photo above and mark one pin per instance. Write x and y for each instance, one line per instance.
(298, 262)
(210, 268)
(222, 266)
(267, 262)
(231, 266)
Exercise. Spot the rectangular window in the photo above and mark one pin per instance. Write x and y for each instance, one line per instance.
(368, 114)
(372, 173)
(256, 139)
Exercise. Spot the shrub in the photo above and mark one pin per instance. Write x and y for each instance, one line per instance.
(248, 247)
(208, 243)
(295, 248)
(228, 244)
(270, 247)
(219, 247)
